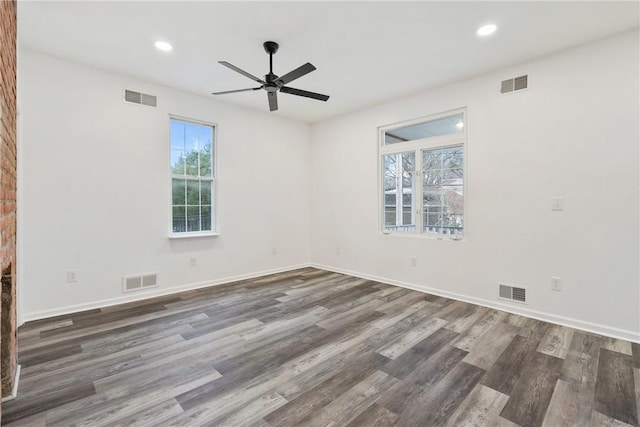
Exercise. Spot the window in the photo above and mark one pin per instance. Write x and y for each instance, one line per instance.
(422, 166)
(192, 177)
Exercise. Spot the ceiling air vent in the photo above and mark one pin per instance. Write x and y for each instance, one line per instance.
(512, 293)
(139, 282)
(140, 98)
(516, 83)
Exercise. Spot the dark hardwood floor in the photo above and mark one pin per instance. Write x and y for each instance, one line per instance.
(314, 348)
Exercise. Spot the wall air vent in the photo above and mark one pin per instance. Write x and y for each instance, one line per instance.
(140, 98)
(512, 293)
(514, 84)
(139, 282)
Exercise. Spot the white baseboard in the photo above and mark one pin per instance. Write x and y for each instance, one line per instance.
(152, 294)
(546, 317)
(14, 391)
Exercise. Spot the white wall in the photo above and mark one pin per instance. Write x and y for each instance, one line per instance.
(95, 189)
(573, 133)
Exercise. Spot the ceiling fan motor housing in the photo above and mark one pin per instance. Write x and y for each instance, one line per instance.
(271, 47)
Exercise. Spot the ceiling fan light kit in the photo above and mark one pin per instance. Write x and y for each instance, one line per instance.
(274, 84)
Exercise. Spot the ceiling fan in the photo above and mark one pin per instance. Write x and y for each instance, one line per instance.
(272, 83)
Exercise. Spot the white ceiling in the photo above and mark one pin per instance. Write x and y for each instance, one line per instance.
(365, 52)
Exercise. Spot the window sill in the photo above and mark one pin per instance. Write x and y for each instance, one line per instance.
(424, 236)
(192, 235)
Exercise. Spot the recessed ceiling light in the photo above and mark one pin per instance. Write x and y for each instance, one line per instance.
(485, 30)
(163, 46)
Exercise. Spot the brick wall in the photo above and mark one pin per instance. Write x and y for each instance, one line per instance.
(8, 192)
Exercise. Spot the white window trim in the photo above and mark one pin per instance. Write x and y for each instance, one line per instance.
(215, 229)
(417, 145)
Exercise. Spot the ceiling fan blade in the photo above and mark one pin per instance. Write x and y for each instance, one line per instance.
(273, 100)
(297, 73)
(299, 92)
(238, 70)
(237, 90)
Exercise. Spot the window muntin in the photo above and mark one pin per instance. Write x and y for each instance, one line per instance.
(426, 167)
(192, 176)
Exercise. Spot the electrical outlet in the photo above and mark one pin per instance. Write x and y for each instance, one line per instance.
(72, 276)
(193, 261)
(414, 261)
(338, 251)
(274, 251)
(557, 203)
(556, 284)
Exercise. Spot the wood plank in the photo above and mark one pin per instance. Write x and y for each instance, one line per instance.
(564, 407)
(615, 390)
(405, 364)
(635, 353)
(252, 412)
(411, 338)
(435, 406)
(347, 406)
(636, 380)
(600, 420)
(301, 408)
(617, 345)
(424, 376)
(486, 322)
(556, 341)
(505, 372)
(488, 348)
(374, 416)
(21, 408)
(529, 400)
(481, 408)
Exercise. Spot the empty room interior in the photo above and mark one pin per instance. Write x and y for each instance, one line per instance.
(320, 213)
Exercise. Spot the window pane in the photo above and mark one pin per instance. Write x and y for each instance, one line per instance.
(205, 193)
(177, 162)
(191, 163)
(452, 177)
(443, 196)
(205, 161)
(178, 192)
(390, 217)
(442, 126)
(177, 135)
(407, 218)
(193, 218)
(399, 171)
(452, 158)
(191, 137)
(193, 193)
(205, 218)
(432, 198)
(206, 142)
(179, 219)
(454, 202)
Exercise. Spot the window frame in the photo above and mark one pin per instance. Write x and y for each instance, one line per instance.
(417, 146)
(214, 181)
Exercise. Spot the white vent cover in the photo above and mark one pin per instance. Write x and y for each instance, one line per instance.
(139, 282)
(516, 83)
(140, 98)
(512, 293)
